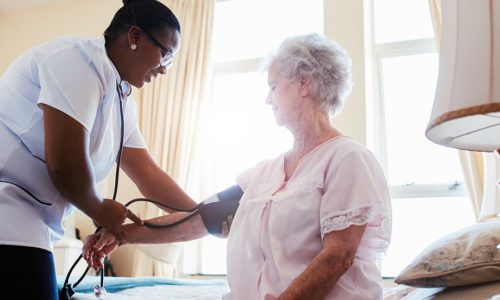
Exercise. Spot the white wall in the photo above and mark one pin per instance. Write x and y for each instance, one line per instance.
(24, 28)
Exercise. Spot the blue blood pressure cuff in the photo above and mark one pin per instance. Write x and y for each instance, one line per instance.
(215, 209)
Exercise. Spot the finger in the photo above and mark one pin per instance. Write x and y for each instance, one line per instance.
(103, 241)
(229, 221)
(99, 263)
(86, 250)
(225, 229)
(87, 246)
(94, 261)
(134, 218)
(95, 265)
(90, 259)
(110, 248)
(87, 260)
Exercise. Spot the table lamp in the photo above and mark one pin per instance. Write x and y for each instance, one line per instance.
(466, 111)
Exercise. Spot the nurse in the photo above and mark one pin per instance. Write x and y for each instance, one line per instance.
(65, 113)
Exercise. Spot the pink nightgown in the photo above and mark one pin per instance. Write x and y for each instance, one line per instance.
(279, 226)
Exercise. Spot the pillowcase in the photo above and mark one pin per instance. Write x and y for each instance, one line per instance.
(467, 256)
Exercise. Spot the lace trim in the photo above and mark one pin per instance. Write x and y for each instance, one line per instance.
(358, 216)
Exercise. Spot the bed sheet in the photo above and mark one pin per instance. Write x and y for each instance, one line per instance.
(154, 288)
(162, 293)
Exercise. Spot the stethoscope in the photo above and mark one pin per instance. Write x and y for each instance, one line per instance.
(68, 289)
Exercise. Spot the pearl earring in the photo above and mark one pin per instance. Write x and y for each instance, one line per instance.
(133, 47)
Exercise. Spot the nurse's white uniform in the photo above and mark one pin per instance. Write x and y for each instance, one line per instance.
(72, 75)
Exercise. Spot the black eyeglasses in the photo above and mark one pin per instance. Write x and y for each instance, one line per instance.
(166, 59)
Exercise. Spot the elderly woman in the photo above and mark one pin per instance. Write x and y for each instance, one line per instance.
(311, 221)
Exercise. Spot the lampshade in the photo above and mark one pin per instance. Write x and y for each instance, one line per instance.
(466, 111)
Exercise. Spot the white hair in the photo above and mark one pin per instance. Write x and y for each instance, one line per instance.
(322, 60)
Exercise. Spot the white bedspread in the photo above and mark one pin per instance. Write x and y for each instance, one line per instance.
(163, 292)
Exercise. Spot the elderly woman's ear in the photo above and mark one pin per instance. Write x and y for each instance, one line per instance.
(305, 86)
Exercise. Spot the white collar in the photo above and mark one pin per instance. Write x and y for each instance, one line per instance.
(125, 86)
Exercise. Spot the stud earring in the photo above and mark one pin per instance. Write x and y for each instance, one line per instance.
(133, 47)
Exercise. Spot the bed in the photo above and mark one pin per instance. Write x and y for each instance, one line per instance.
(462, 265)
(152, 288)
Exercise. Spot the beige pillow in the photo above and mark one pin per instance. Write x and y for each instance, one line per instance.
(468, 256)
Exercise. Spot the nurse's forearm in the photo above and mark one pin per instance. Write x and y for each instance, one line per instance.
(152, 181)
(189, 230)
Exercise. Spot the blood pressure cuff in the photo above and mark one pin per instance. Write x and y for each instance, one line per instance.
(215, 209)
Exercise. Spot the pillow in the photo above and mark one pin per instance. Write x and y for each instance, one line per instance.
(467, 256)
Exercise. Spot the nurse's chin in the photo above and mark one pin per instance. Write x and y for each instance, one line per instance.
(140, 85)
(137, 84)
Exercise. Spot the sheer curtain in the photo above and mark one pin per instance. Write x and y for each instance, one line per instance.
(170, 111)
(481, 170)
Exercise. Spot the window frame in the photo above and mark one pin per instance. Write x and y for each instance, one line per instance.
(376, 119)
(399, 49)
(224, 68)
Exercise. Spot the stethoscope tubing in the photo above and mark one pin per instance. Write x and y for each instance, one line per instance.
(194, 210)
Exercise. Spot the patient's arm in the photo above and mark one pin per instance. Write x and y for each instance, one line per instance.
(337, 255)
(189, 230)
(101, 244)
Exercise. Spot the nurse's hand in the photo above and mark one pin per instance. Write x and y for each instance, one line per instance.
(113, 214)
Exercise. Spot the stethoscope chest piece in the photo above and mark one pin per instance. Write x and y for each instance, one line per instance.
(100, 292)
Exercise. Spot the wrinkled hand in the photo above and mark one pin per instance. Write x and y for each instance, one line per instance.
(113, 214)
(226, 226)
(97, 246)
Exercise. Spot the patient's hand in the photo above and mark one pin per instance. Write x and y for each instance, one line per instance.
(226, 226)
(97, 246)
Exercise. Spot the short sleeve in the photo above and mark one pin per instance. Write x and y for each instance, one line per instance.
(135, 139)
(253, 177)
(356, 193)
(133, 135)
(70, 84)
(243, 179)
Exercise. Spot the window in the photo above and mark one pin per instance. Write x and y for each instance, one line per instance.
(428, 194)
(243, 131)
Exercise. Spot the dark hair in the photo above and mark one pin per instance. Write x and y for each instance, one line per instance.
(149, 15)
